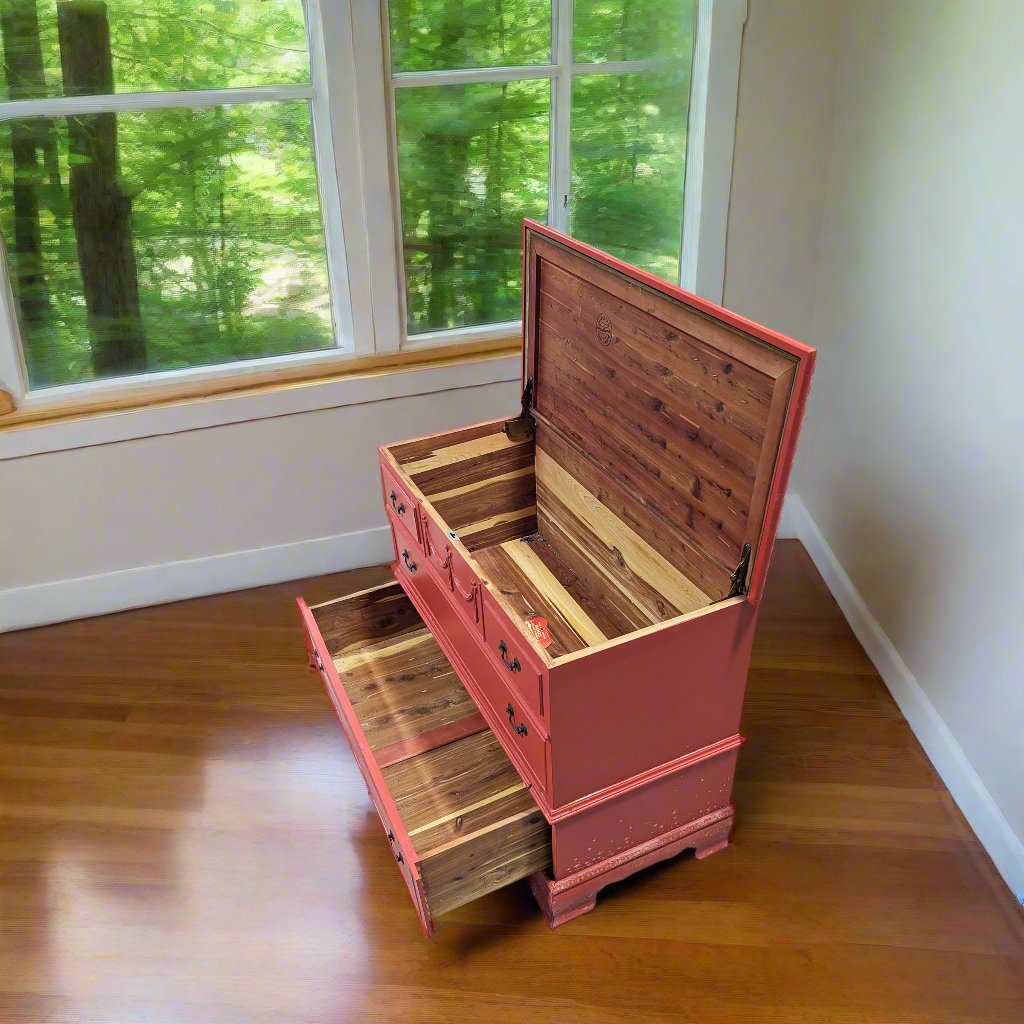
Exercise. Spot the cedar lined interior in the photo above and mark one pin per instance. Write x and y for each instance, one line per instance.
(657, 432)
(468, 814)
(546, 544)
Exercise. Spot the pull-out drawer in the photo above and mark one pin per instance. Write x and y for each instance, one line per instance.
(524, 739)
(400, 503)
(459, 818)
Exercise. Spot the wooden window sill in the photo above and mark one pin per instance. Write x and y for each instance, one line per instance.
(281, 392)
(168, 394)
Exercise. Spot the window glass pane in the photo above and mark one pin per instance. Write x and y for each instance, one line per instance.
(441, 35)
(628, 141)
(632, 29)
(162, 239)
(473, 161)
(79, 47)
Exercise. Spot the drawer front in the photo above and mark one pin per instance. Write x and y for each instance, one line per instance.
(409, 554)
(400, 503)
(467, 591)
(523, 737)
(512, 656)
(459, 820)
(401, 846)
(436, 543)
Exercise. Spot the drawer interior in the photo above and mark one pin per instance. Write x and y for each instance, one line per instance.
(549, 544)
(469, 818)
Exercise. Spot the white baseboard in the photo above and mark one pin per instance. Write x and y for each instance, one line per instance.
(965, 786)
(147, 585)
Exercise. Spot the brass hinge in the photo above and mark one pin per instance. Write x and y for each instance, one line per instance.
(738, 580)
(523, 427)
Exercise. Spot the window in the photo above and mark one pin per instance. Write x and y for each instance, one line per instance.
(571, 113)
(191, 190)
(160, 200)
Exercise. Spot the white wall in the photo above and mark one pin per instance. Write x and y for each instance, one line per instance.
(200, 511)
(780, 163)
(912, 456)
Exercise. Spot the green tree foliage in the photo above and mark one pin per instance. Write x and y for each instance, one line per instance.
(225, 212)
(473, 159)
(225, 221)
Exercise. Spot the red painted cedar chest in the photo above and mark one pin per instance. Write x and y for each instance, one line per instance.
(552, 688)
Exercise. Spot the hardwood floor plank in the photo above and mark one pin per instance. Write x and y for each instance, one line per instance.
(185, 837)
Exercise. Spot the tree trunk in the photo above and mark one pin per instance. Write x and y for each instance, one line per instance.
(100, 209)
(23, 63)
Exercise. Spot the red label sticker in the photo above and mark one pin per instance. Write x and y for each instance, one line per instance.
(539, 628)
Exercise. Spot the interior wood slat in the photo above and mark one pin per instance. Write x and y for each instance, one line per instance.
(505, 851)
(663, 533)
(403, 690)
(499, 528)
(441, 473)
(545, 582)
(451, 780)
(408, 451)
(357, 620)
(402, 750)
(639, 561)
(612, 612)
(524, 600)
(466, 506)
(601, 581)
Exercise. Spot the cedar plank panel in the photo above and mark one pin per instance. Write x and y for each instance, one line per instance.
(403, 690)
(663, 534)
(410, 451)
(731, 397)
(525, 600)
(488, 499)
(720, 342)
(500, 532)
(611, 610)
(377, 613)
(636, 435)
(450, 780)
(611, 450)
(604, 579)
(465, 871)
(471, 470)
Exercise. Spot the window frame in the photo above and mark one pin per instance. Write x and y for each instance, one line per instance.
(351, 98)
(714, 84)
(341, 214)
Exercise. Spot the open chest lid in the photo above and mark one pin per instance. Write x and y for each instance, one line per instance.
(688, 412)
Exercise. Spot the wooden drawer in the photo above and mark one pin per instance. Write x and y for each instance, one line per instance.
(512, 656)
(435, 541)
(399, 502)
(459, 819)
(467, 591)
(524, 738)
(407, 551)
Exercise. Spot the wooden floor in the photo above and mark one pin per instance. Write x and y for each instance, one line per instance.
(184, 838)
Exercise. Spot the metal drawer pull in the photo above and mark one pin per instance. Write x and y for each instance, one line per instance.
(520, 729)
(513, 665)
(319, 661)
(398, 506)
(398, 856)
(411, 566)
